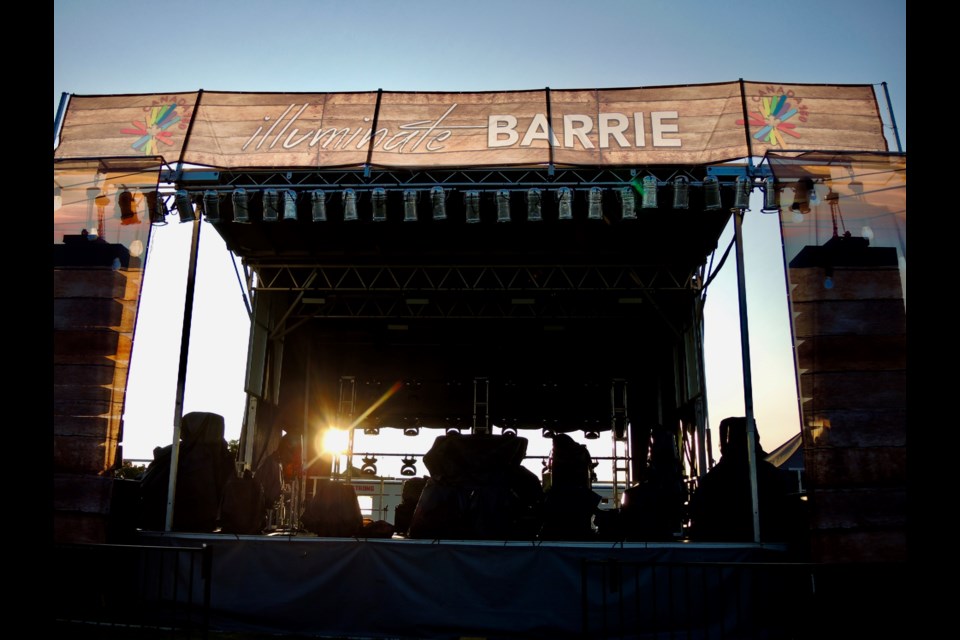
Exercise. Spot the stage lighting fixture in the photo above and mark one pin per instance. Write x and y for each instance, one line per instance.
(649, 198)
(771, 195)
(565, 206)
(438, 200)
(711, 194)
(410, 205)
(411, 428)
(158, 208)
(472, 201)
(591, 434)
(349, 204)
(409, 467)
(508, 431)
(241, 206)
(741, 199)
(533, 204)
(547, 433)
(681, 193)
(290, 205)
(595, 203)
(503, 206)
(369, 467)
(271, 205)
(371, 431)
(318, 205)
(628, 203)
(452, 430)
(184, 206)
(378, 198)
(211, 206)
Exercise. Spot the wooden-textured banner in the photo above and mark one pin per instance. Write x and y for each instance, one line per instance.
(681, 125)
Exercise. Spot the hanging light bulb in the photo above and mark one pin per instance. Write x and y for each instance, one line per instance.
(211, 206)
(503, 206)
(158, 208)
(866, 232)
(378, 200)
(711, 194)
(681, 192)
(628, 203)
(318, 206)
(741, 199)
(136, 248)
(771, 195)
(438, 200)
(533, 205)
(290, 205)
(184, 206)
(271, 205)
(649, 199)
(410, 205)
(241, 206)
(595, 203)
(472, 201)
(565, 206)
(349, 204)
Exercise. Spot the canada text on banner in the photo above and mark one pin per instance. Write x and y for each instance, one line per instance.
(677, 125)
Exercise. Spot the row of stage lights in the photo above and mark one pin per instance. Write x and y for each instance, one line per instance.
(281, 204)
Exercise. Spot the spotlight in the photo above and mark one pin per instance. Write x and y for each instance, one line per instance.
(452, 430)
(409, 205)
(595, 203)
(412, 429)
(741, 199)
(565, 208)
(649, 199)
(681, 193)
(369, 467)
(503, 206)
(409, 467)
(438, 199)
(184, 206)
(211, 206)
(771, 195)
(271, 205)
(158, 208)
(590, 434)
(508, 431)
(711, 194)
(371, 431)
(290, 205)
(533, 204)
(241, 206)
(628, 203)
(349, 204)
(378, 198)
(318, 206)
(547, 433)
(472, 200)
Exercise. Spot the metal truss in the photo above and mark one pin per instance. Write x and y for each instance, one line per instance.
(384, 278)
(473, 179)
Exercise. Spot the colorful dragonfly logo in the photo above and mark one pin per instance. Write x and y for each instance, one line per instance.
(154, 129)
(772, 120)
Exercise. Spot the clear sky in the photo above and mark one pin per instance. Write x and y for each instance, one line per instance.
(133, 46)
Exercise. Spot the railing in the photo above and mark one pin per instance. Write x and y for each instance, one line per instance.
(703, 600)
(134, 587)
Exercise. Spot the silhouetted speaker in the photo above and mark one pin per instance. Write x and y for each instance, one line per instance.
(243, 508)
(333, 511)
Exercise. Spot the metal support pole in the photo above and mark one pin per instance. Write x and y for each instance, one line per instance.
(182, 373)
(747, 377)
(59, 119)
(893, 120)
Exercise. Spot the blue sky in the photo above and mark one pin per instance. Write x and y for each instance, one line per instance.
(133, 46)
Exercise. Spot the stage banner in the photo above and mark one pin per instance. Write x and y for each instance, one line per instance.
(675, 125)
(126, 126)
(783, 117)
